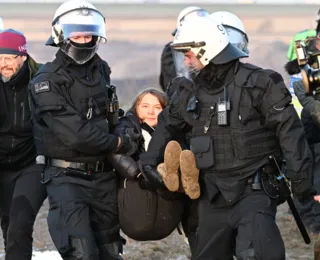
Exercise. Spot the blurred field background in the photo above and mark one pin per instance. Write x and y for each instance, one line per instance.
(136, 36)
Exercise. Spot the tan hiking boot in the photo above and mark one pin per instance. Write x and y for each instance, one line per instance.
(171, 165)
(189, 174)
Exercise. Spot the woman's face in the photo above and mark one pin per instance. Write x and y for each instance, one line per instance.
(148, 110)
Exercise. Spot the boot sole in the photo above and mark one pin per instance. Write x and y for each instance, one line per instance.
(171, 165)
(189, 174)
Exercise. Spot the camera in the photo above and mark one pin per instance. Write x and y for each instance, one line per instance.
(308, 57)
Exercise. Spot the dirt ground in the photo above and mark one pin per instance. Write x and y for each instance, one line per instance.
(135, 42)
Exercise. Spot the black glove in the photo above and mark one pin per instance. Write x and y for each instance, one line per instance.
(302, 189)
(152, 176)
(129, 142)
(132, 134)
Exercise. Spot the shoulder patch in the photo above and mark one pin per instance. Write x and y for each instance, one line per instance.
(43, 86)
(276, 77)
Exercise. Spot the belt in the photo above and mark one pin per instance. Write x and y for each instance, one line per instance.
(99, 166)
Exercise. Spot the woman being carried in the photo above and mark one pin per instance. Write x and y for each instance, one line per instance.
(145, 213)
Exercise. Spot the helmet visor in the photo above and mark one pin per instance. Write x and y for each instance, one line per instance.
(82, 22)
(237, 38)
(186, 64)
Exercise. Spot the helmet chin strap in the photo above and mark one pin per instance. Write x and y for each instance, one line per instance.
(200, 53)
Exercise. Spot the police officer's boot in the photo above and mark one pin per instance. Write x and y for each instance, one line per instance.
(110, 251)
(189, 174)
(80, 249)
(169, 169)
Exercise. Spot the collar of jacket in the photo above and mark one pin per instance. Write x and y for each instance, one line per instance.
(33, 67)
(134, 120)
(213, 78)
(89, 73)
(71, 64)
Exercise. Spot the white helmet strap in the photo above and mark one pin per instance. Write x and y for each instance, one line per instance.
(200, 53)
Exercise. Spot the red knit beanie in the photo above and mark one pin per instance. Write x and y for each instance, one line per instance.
(12, 42)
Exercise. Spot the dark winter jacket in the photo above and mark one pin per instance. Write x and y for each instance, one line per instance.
(17, 148)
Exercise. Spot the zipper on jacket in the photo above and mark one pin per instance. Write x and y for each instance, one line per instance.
(23, 115)
(14, 108)
(14, 117)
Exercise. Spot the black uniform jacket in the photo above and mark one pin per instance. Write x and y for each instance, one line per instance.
(266, 99)
(69, 109)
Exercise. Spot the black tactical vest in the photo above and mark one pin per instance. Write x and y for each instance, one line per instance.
(240, 147)
(89, 101)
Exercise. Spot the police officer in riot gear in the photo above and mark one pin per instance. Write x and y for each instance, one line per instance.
(69, 97)
(168, 70)
(238, 115)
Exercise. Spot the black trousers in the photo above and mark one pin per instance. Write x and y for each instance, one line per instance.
(83, 216)
(246, 229)
(21, 196)
(190, 222)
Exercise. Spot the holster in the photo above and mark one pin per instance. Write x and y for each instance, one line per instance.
(113, 108)
(274, 188)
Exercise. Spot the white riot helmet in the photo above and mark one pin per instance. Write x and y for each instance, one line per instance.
(77, 18)
(234, 27)
(187, 13)
(1, 24)
(208, 40)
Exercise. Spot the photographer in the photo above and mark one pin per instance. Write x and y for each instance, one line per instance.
(307, 93)
(311, 211)
(307, 89)
(291, 66)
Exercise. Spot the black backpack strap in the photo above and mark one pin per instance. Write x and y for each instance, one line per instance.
(244, 73)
